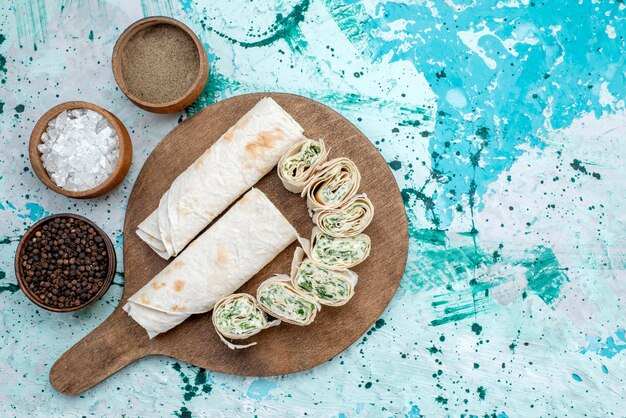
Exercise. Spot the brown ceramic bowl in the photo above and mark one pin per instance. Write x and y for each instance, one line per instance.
(19, 273)
(184, 100)
(120, 170)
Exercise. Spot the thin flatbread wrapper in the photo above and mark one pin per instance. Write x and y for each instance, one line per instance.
(298, 165)
(217, 263)
(336, 253)
(335, 182)
(347, 221)
(328, 287)
(280, 299)
(238, 317)
(234, 163)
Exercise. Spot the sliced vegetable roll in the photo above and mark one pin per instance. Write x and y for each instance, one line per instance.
(336, 182)
(296, 167)
(349, 220)
(238, 317)
(337, 252)
(279, 298)
(328, 287)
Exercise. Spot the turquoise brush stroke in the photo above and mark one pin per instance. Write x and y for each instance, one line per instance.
(434, 263)
(351, 17)
(284, 27)
(260, 389)
(544, 275)
(414, 412)
(609, 348)
(186, 5)
(31, 21)
(216, 85)
(440, 265)
(9, 287)
(456, 306)
(157, 8)
(435, 237)
(522, 91)
(35, 211)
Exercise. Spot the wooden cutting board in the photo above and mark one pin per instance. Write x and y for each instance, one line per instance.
(280, 350)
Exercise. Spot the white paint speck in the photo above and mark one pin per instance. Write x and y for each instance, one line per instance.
(606, 98)
(610, 32)
(471, 38)
(456, 98)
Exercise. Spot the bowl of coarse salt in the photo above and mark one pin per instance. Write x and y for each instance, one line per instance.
(80, 150)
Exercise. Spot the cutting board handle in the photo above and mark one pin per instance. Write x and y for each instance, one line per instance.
(107, 349)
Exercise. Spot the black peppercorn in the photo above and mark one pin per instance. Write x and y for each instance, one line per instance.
(65, 262)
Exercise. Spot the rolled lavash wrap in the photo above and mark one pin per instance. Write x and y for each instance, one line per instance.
(336, 253)
(280, 299)
(234, 163)
(296, 167)
(328, 287)
(238, 317)
(335, 182)
(246, 238)
(348, 220)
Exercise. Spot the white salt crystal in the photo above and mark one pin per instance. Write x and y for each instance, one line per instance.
(76, 113)
(102, 124)
(61, 120)
(80, 149)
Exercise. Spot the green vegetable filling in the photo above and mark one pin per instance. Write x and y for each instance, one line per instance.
(240, 316)
(335, 190)
(302, 161)
(346, 220)
(322, 283)
(284, 302)
(340, 251)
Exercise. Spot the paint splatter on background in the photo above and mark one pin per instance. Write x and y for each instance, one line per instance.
(503, 123)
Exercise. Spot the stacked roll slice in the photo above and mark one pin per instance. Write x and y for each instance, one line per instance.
(298, 165)
(335, 183)
(238, 317)
(328, 287)
(279, 298)
(336, 253)
(349, 220)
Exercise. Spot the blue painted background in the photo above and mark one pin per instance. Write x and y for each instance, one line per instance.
(505, 126)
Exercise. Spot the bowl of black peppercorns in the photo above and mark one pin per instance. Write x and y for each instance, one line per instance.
(64, 262)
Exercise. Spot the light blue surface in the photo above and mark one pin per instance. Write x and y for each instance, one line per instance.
(505, 125)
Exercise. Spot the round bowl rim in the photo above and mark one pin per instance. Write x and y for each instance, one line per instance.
(135, 28)
(114, 178)
(112, 264)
